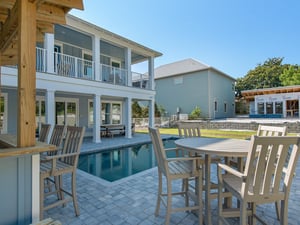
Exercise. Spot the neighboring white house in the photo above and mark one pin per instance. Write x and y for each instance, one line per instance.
(84, 78)
(273, 102)
(183, 85)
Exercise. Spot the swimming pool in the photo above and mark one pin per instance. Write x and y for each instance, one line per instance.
(119, 163)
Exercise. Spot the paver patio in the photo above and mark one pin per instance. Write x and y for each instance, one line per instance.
(132, 200)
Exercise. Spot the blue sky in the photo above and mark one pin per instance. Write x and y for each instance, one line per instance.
(233, 36)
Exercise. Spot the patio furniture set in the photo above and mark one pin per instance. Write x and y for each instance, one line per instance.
(263, 173)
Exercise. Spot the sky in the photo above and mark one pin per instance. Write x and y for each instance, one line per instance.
(233, 36)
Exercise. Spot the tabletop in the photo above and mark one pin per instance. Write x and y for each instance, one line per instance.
(216, 146)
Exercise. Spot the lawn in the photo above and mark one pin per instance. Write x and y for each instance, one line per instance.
(208, 133)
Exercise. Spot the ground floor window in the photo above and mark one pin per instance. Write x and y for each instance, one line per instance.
(260, 108)
(66, 112)
(278, 107)
(40, 113)
(111, 113)
(269, 107)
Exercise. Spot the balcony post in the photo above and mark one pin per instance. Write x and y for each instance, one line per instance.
(49, 46)
(151, 73)
(96, 58)
(128, 66)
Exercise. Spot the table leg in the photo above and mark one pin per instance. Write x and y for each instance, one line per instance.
(207, 190)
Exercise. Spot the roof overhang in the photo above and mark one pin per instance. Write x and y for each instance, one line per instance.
(250, 94)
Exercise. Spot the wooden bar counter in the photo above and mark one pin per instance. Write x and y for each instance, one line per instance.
(19, 179)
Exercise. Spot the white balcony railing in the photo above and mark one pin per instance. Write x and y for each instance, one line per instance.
(70, 66)
(114, 75)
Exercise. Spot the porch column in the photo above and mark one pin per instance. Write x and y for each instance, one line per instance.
(50, 108)
(128, 66)
(151, 73)
(49, 46)
(96, 58)
(97, 118)
(284, 108)
(151, 113)
(128, 115)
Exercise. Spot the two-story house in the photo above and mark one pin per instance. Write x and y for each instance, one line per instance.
(183, 85)
(84, 77)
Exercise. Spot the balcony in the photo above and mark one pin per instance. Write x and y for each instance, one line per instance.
(70, 66)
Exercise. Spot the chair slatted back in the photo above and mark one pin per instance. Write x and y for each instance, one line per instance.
(72, 144)
(158, 147)
(58, 134)
(265, 130)
(57, 137)
(189, 130)
(44, 132)
(266, 174)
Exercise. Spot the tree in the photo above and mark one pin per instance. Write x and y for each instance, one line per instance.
(264, 75)
(290, 76)
(136, 110)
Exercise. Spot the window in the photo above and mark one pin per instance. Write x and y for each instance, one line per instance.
(216, 106)
(261, 108)
(225, 107)
(278, 107)
(40, 113)
(90, 113)
(111, 113)
(66, 112)
(269, 107)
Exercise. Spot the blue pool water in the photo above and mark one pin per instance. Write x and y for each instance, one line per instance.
(116, 164)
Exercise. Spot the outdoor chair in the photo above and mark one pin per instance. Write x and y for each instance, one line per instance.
(267, 178)
(263, 130)
(190, 130)
(65, 162)
(44, 132)
(174, 169)
(56, 139)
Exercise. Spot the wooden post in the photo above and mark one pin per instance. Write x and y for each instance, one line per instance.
(26, 72)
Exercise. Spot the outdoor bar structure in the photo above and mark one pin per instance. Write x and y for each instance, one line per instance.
(19, 154)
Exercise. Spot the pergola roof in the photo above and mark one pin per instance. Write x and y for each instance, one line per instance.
(250, 94)
(22, 24)
(48, 13)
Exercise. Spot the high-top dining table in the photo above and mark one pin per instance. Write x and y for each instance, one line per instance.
(208, 147)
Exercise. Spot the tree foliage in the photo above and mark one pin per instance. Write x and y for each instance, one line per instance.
(266, 75)
(195, 114)
(290, 76)
(139, 111)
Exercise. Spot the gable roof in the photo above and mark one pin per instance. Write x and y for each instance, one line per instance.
(183, 67)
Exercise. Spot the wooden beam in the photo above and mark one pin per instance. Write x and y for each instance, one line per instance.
(77, 4)
(51, 14)
(9, 29)
(26, 73)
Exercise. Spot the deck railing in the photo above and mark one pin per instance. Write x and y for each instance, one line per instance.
(70, 66)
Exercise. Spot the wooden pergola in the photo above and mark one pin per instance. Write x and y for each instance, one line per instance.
(22, 24)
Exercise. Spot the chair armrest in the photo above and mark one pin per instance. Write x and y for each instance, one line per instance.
(52, 157)
(176, 150)
(230, 170)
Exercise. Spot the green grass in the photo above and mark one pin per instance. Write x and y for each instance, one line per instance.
(208, 133)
